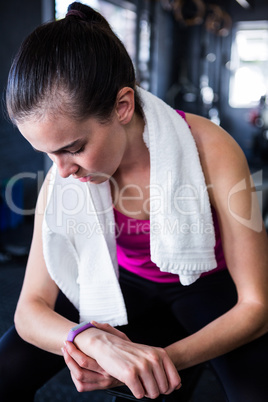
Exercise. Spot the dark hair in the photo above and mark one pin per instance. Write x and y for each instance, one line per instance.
(75, 66)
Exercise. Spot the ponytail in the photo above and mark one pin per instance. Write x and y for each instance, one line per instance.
(75, 66)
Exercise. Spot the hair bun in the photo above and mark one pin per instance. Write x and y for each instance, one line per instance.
(85, 13)
(76, 13)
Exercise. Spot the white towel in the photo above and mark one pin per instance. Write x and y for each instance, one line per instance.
(182, 231)
(79, 229)
(80, 249)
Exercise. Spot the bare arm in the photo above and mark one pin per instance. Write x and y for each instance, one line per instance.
(147, 371)
(104, 359)
(35, 318)
(245, 248)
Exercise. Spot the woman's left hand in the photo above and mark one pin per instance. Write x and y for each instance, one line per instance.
(108, 328)
(145, 370)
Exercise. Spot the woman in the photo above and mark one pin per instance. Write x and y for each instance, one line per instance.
(131, 184)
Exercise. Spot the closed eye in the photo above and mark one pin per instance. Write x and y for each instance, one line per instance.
(79, 151)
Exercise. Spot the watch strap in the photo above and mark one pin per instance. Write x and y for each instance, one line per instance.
(78, 329)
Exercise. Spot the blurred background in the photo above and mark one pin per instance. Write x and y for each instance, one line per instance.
(208, 57)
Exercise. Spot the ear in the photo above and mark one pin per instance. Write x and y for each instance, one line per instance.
(125, 105)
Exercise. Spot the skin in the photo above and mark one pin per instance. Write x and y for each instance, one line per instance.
(103, 357)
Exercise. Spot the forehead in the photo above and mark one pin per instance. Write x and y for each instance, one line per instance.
(53, 133)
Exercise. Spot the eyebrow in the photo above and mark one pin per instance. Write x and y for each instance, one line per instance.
(62, 148)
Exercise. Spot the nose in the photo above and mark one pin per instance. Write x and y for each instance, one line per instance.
(64, 165)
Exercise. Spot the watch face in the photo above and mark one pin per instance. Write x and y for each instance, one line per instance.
(79, 326)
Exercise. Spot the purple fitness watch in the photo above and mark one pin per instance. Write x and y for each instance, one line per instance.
(77, 329)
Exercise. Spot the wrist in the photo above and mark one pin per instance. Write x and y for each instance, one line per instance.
(86, 340)
(174, 355)
(76, 330)
(181, 354)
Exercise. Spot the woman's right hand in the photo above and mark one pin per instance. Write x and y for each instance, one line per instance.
(145, 370)
(86, 374)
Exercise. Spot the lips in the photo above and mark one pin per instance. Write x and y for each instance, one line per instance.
(93, 177)
(85, 178)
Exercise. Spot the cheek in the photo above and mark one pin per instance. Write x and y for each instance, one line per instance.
(90, 161)
(101, 157)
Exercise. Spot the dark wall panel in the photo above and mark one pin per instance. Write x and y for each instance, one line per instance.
(17, 19)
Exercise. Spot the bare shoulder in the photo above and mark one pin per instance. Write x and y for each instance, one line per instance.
(232, 194)
(214, 143)
(222, 159)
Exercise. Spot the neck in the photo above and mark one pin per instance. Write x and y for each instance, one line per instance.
(136, 152)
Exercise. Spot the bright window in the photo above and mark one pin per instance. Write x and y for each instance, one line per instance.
(249, 64)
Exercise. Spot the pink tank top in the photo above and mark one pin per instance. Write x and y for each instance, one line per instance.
(133, 247)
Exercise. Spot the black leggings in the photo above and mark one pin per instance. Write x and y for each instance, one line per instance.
(159, 314)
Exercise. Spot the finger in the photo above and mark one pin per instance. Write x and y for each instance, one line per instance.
(161, 378)
(94, 381)
(174, 380)
(108, 328)
(81, 359)
(99, 384)
(86, 380)
(154, 376)
(167, 382)
(135, 385)
(74, 368)
(150, 385)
